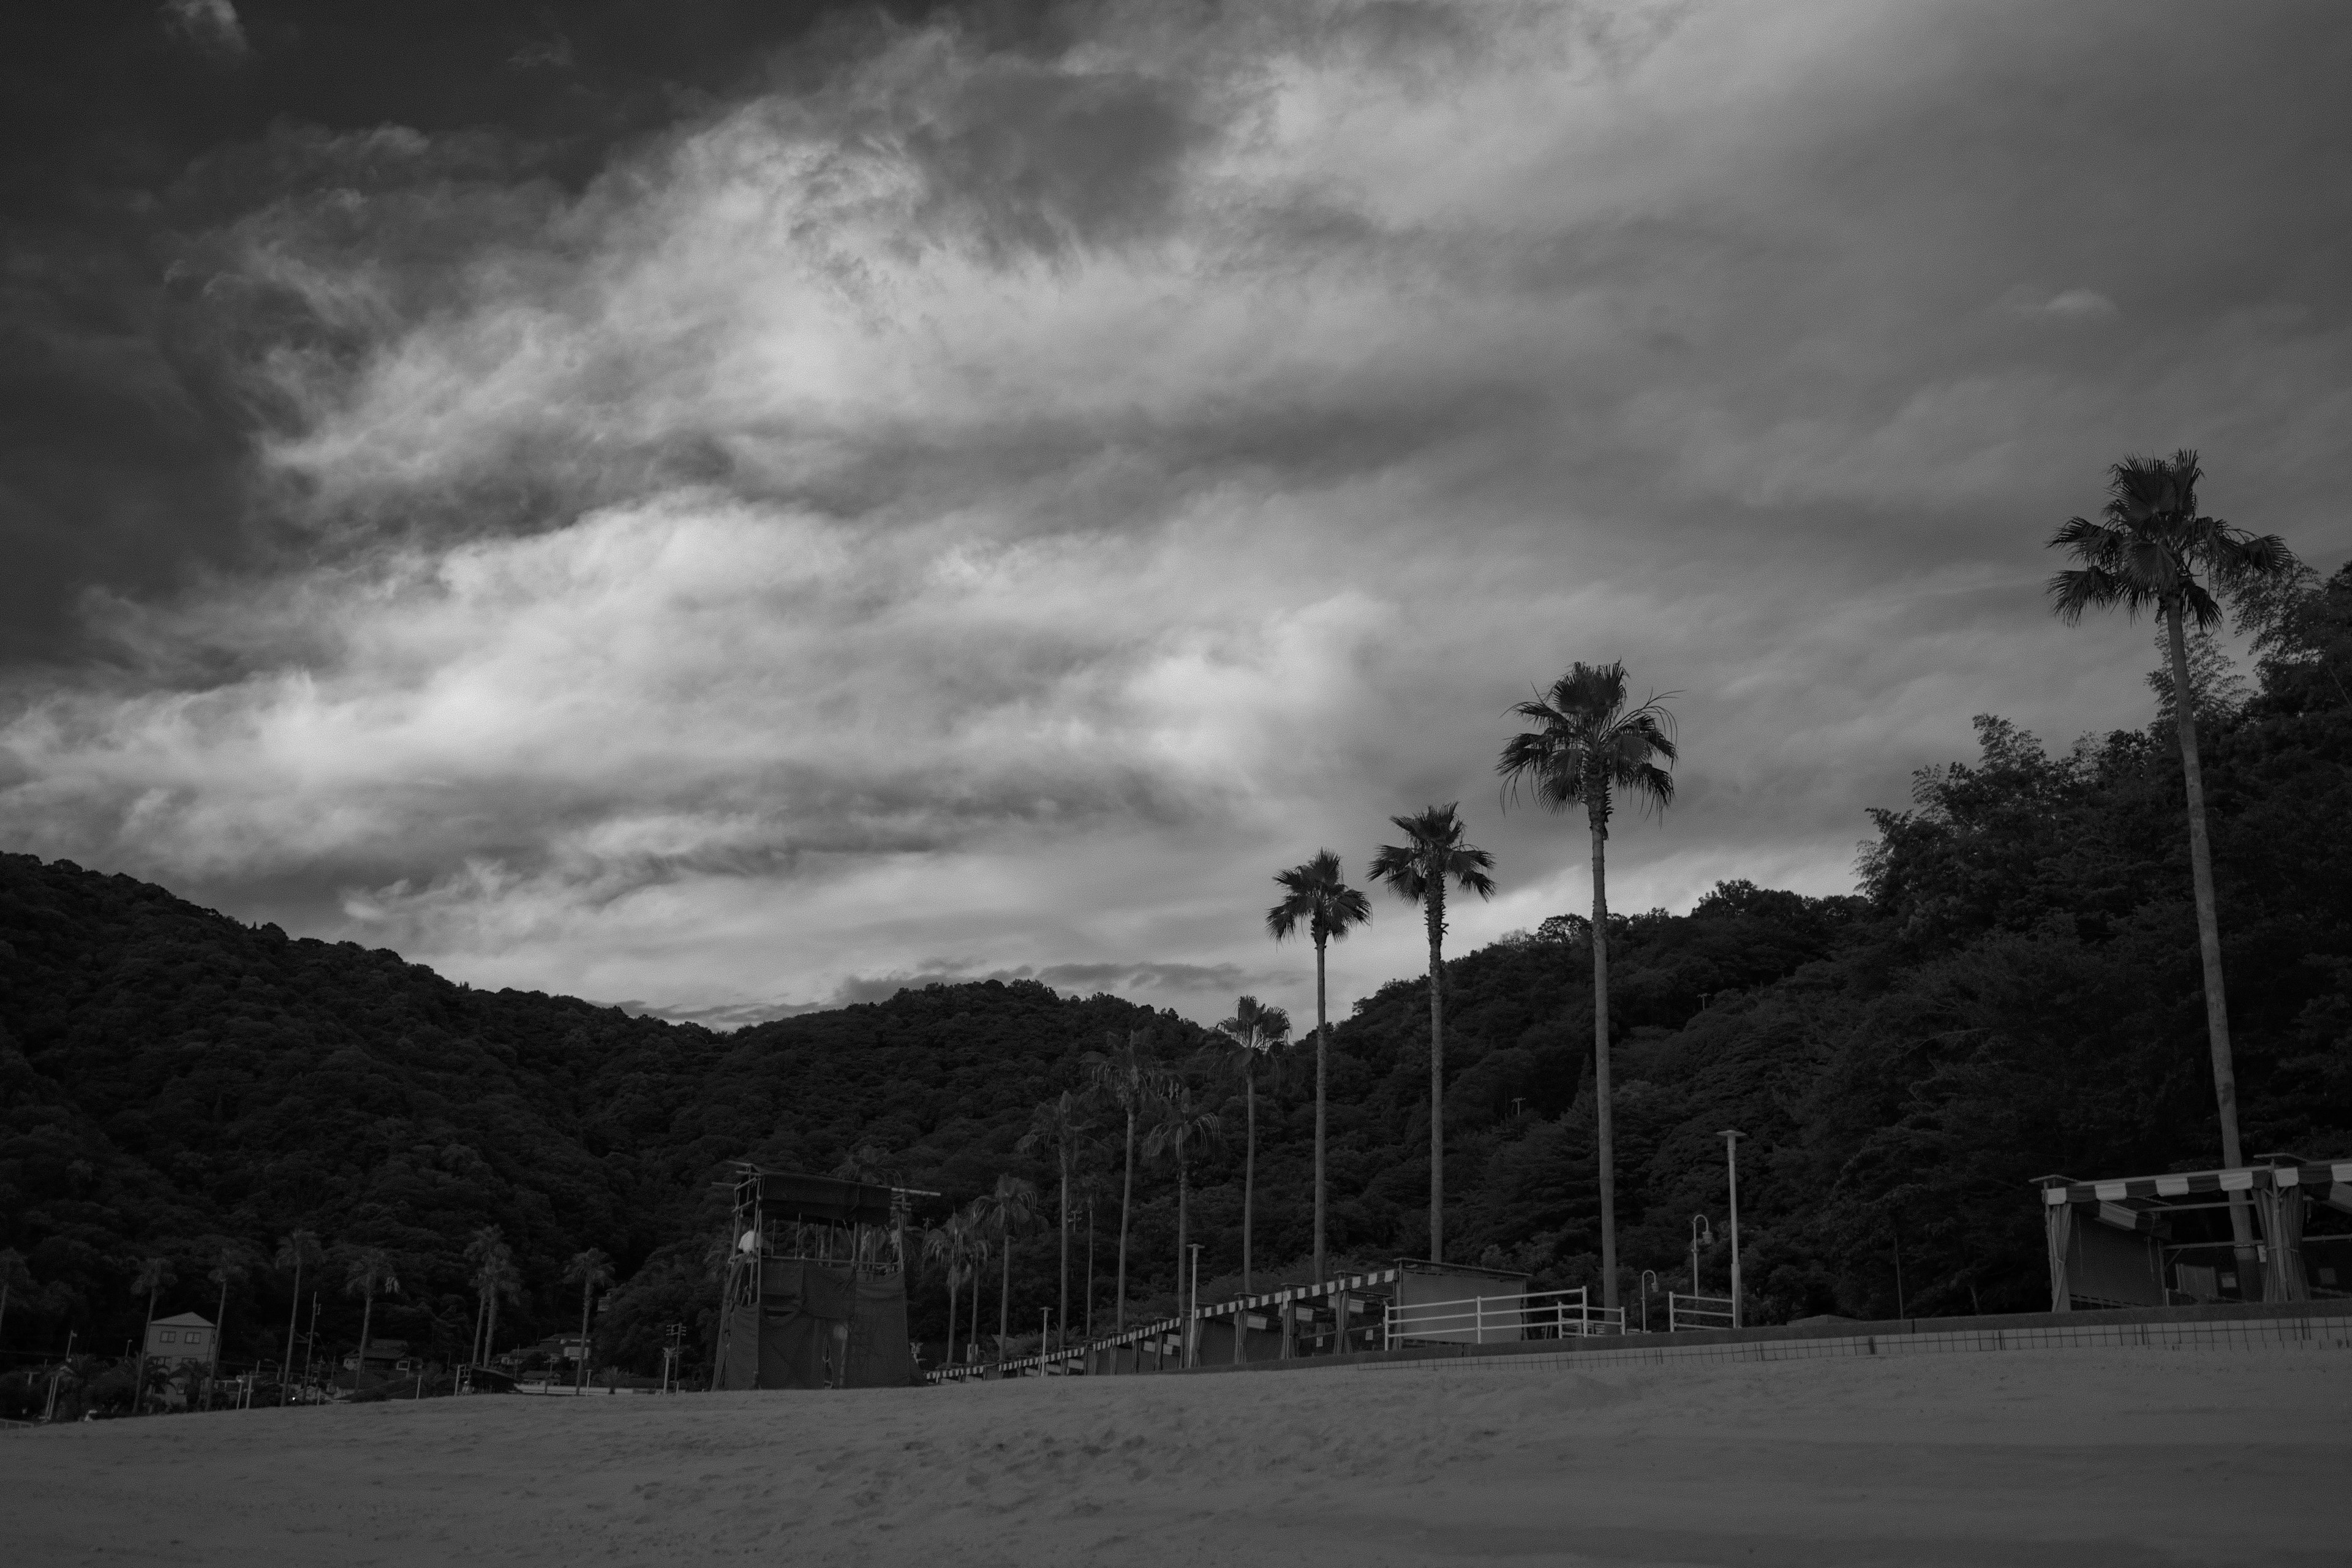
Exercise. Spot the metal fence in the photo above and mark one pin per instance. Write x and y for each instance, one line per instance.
(1503, 1318)
(1698, 1313)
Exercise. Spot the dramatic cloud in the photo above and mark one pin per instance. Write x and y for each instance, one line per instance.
(969, 505)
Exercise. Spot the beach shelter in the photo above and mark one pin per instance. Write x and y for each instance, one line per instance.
(2153, 1241)
(816, 1294)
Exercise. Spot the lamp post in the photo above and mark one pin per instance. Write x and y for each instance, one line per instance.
(1731, 1164)
(1700, 1229)
(1649, 1286)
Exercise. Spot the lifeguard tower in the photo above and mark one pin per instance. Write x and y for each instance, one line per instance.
(815, 1295)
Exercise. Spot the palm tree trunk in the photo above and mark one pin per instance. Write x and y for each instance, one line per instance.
(1183, 1217)
(139, 1386)
(975, 1311)
(1004, 1299)
(220, 1322)
(1126, 1200)
(952, 1282)
(1249, 1172)
(2209, 944)
(367, 1326)
(1435, 907)
(1322, 1041)
(1605, 1122)
(1063, 1316)
(473, 1346)
(580, 1372)
(286, 1372)
(1090, 1269)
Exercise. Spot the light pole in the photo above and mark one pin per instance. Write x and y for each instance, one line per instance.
(1191, 1320)
(1700, 1229)
(1649, 1284)
(1731, 1164)
(1044, 1334)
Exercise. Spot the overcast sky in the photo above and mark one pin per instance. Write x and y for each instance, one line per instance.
(727, 508)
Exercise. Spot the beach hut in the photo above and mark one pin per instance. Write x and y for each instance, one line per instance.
(2167, 1240)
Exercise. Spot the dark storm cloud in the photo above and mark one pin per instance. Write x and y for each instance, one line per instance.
(132, 133)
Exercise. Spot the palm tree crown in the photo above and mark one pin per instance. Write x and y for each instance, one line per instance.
(1315, 897)
(1417, 871)
(1587, 748)
(2150, 545)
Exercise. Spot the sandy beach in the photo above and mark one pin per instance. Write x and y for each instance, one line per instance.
(2081, 1459)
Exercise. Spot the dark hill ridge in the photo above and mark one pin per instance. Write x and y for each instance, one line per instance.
(2015, 990)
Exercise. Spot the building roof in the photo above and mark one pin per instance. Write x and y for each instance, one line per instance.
(184, 1321)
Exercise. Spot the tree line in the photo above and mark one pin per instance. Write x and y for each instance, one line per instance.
(2016, 986)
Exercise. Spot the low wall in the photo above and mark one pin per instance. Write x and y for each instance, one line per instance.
(2288, 1325)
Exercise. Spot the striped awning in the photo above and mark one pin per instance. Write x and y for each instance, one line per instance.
(2330, 1184)
(1345, 1282)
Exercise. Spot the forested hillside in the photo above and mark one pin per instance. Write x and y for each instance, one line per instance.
(2012, 990)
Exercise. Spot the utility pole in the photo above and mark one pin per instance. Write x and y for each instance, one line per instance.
(1731, 1161)
(1699, 1227)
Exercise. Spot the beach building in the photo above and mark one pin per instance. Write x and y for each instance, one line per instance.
(382, 1355)
(183, 1338)
(2167, 1239)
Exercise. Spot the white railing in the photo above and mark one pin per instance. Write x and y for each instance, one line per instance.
(1502, 1319)
(1697, 1313)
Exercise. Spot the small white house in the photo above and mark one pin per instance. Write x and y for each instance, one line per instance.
(185, 1338)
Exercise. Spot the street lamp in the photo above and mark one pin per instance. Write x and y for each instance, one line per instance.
(1731, 1162)
(1649, 1284)
(1700, 1231)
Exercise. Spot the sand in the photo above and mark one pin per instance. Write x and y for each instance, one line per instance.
(2079, 1458)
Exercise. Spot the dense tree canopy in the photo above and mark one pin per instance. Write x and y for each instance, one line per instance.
(2013, 990)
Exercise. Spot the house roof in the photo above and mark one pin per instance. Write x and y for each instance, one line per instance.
(184, 1321)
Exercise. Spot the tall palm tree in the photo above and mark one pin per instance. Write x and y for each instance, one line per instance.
(1417, 871)
(229, 1268)
(979, 1248)
(950, 1245)
(1132, 1079)
(1061, 1125)
(1178, 1127)
(1252, 1034)
(2146, 552)
(1006, 1210)
(591, 1271)
(153, 1277)
(1587, 749)
(1315, 897)
(297, 1251)
(1093, 1186)
(494, 1275)
(368, 1272)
